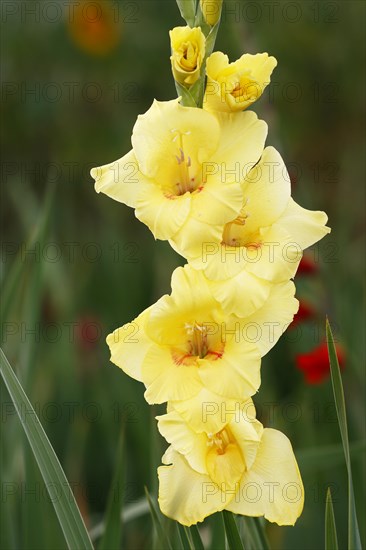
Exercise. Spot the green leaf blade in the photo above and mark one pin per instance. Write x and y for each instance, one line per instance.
(331, 541)
(196, 538)
(185, 537)
(113, 523)
(68, 514)
(354, 540)
(232, 532)
(163, 539)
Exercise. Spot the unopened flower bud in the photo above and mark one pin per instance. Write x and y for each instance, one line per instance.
(188, 53)
(211, 10)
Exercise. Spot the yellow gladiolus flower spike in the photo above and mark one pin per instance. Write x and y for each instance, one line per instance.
(233, 87)
(262, 245)
(242, 468)
(164, 177)
(188, 52)
(185, 344)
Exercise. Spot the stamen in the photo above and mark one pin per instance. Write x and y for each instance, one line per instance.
(198, 339)
(220, 440)
(187, 183)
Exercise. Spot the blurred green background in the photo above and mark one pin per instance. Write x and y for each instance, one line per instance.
(76, 265)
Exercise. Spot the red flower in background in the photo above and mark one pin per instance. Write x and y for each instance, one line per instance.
(315, 364)
(307, 266)
(88, 332)
(305, 313)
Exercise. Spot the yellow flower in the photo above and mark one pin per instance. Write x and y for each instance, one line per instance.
(188, 52)
(242, 468)
(211, 10)
(262, 245)
(164, 177)
(184, 344)
(235, 86)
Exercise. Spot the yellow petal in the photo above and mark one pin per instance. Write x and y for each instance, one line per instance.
(266, 191)
(163, 130)
(305, 226)
(185, 495)
(277, 255)
(121, 180)
(225, 468)
(241, 145)
(236, 374)
(217, 203)
(220, 261)
(165, 379)
(265, 326)
(191, 301)
(129, 344)
(184, 440)
(216, 62)
(247, 433)
(242, 294)
(163, 214)
(191, 289)
(192, 248)
(260, 64)
(209, 412)
(272, 487)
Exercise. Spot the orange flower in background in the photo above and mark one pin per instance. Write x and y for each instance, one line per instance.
(315, 364)
(94, 27)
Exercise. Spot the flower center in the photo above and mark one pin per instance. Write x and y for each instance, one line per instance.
(201, 343)
(188, 56)
(224, 461)
(245, 89)
(187, 182)
(197, 339)
(219, 441)
(236, 234)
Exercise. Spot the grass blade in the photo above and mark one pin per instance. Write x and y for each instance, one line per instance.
(256, 533)
(129, 513)
(68, 514)
(113, 524)
(216, 523)
(185, 537)
(14, 276)
(331, 542)
(354, 541)
(163, 539)
(196, 538)
(232, 532)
